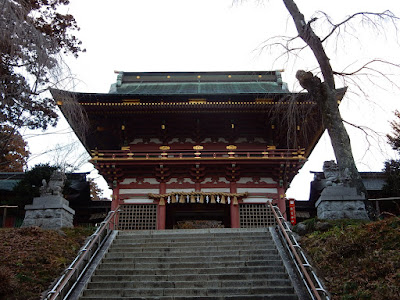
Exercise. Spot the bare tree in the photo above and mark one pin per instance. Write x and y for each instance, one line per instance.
(323, 89)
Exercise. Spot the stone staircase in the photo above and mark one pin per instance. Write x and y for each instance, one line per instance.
(191, 264)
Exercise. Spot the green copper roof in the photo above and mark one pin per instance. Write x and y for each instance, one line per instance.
(198, 83)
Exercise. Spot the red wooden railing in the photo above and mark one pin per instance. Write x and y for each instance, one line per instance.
(297, 154)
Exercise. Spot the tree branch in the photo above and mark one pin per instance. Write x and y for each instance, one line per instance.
(387, 14)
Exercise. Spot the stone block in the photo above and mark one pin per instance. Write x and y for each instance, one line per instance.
(339, 202)
(49, 212)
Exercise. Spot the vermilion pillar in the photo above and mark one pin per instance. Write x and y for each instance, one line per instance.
(114, 205)
(235, 221)
(161, 209)
(115, 201)
(282, 202)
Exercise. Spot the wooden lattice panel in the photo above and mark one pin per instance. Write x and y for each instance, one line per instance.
(255, 216)
(137, 217)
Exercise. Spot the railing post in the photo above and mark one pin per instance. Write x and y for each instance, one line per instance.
(234, 207)
(161, 208)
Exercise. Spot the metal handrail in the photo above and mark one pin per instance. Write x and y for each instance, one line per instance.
(307, 273)
(74, 272)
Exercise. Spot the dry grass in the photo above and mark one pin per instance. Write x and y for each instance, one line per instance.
(32, 258)
(358, 260)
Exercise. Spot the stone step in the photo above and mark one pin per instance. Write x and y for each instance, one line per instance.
(186, 271)
(191, 277)
(261, 236)
(152, 254)
(206, 264)
(132, 258)
(182, 242)
(192, 243)
(176, 292)
(196, 264)
(225, 297)
(188, 249)
(188, 284)
(196, 232)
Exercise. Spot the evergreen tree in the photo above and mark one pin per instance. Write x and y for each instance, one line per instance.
(392, 167)
(28, 188)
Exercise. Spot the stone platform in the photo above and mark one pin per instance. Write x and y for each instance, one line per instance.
(340, 202)
(49, 212)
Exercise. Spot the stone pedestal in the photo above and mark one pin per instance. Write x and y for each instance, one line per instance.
(340, 202)
(49, 212)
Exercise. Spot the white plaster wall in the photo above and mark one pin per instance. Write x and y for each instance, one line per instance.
(139, 200)
(257, 190)
(136, 141)
(138, 191)
(241, 140)
(256, 199)
(262, 179)
(174, 140)
(150, 180)
(260, 140)
(155, 141)
(145, 180)
(220, 180)
(222, 140)
(206, 140)
(128, 180)
(140, 141)
(180, 190)
(185, 180)
(215, 190)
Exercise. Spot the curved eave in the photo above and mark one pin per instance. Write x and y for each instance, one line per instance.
(186, 107)
(97, 98)
(116, 98)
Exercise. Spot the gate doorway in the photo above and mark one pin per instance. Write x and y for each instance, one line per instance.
(197, 215)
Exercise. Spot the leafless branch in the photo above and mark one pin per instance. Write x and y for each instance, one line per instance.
(371, 18)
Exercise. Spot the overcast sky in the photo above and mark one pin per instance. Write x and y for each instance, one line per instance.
(226, 35)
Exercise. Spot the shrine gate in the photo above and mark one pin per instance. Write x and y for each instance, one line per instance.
(207, 148)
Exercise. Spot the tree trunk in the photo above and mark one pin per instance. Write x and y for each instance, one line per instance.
(324, 94)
